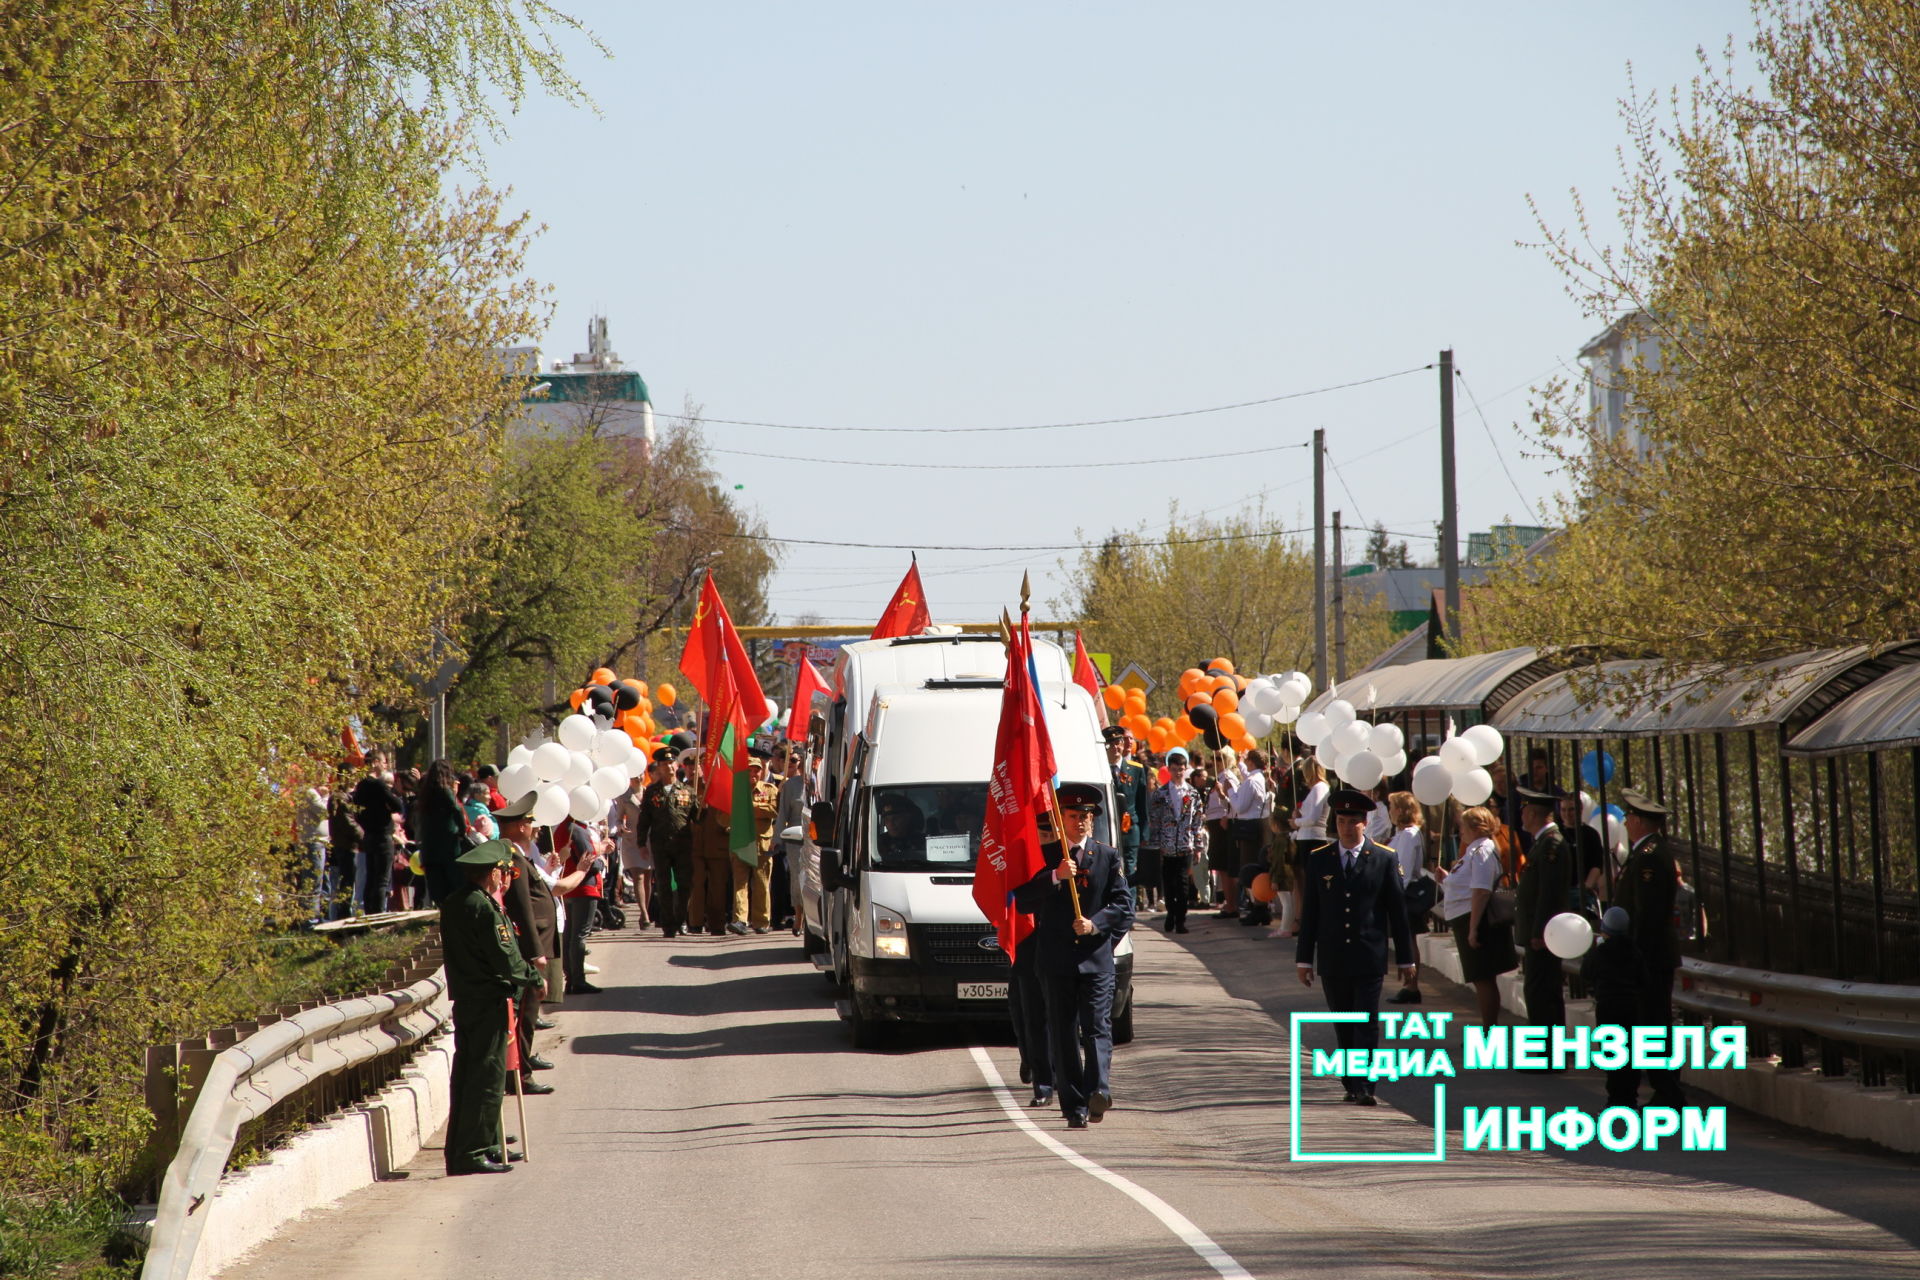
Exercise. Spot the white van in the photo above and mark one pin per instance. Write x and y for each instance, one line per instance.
(896, 850)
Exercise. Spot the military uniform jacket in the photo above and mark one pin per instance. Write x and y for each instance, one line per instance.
(1646, 888)
(766, 808)
(529, 907)
(1347, 918)
(1130, 790)
(1104, 899)
(1542, 892)
(666, 818)
(482, 961)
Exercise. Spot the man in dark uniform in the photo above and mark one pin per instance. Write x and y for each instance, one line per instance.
(1646, 888)
(1130, 789)
(485, 972)
(666, 824)
(1540, 896)
(529, 907)
(1075, 953)
(1027, 1002)
(1353, 900)
(1613, 973)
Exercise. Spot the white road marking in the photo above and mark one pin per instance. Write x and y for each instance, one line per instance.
(1170, 1218)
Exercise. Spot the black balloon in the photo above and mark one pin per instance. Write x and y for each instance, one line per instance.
(1215, 740)
(626, 697)
(599, 693)
(1205, 718)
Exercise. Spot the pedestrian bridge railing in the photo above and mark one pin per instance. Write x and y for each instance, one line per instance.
(1872, 1029)
(300, 1057)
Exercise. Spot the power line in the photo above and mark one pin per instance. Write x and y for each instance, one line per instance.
(1057, 426)
(1007, 466)
(1497, 452)
(1061, 546)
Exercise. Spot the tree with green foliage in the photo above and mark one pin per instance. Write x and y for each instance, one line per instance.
(1767, 257)
(246, 376)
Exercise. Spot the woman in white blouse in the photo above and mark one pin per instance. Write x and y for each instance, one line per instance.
(1486, 951)
(1309, 826)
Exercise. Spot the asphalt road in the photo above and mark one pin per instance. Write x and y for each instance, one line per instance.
(712, 1121)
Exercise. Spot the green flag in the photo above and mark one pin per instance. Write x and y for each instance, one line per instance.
(742, 839)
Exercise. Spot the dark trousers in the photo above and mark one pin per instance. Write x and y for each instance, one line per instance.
(1027, 1004)
(479, 1081)
(1145, 875)
(1079, 1036)
(529, 1009)
(1623, 1085)
(573, 950)
(1540, 979)
(672, 883)
(442, 876)
(1656, 1010)
(782, 889)
(1355, 995)
(376, 880)
(1176, 884)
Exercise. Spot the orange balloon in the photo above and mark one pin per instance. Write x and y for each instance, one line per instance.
(1140, 726)
(638, 686)
(1221, 682)
(1183, 729)
(643, 706)
(1156, 739)
(1233, 725)
(1198, 697)
(577, 697)
(1191, 676)
(1164, 722)
(1114, 696)
(1262, 888)
(602, 675)
(1244, 744)
(664, 694)
(1239, 684)
(1224, 664)
(619, 719)
(1136, 698)
(1225, 700)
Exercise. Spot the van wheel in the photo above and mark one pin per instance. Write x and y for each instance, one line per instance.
(869, 1034)
(1123, 1026)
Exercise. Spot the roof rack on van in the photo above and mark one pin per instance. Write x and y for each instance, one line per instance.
(959, 639)
(967, 682)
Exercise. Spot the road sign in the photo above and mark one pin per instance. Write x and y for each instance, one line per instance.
(1132, 676)
(1103, 663)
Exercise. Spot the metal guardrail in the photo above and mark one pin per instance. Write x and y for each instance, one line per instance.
(270, 1066)
(1879, 1022)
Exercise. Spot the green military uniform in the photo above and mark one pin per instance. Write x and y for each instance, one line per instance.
(1539, 897)
(1646, 887)
(485, 973)
(759, 886)
(666, 824)
(1130, 788)
(711, 904)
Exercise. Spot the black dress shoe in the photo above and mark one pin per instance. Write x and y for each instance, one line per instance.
(478, 1166)
(544, 1024)
(584, 989)
(1042, 1097)
(1179, 928)
(1076, 1122)
(1099, 1104)
(530, 1085)
(1366, 1100)
(537, 1063)
(510, 1157)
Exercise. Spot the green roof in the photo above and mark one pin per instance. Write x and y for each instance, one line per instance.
(575, 388)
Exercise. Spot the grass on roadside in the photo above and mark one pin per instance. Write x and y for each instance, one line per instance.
(65, 1240)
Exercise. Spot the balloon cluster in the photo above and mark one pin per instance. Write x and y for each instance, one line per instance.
(1361, 753)
(1460, 768)
(605, 742)
(1218, 706)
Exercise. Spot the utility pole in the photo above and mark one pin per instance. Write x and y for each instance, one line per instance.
(1449, 502)
(1339, 603)
(1319, 559)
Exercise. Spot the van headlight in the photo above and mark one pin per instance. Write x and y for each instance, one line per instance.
(889, 934)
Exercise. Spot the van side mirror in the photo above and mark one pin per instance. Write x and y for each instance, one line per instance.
(830, 877)
(825, 830)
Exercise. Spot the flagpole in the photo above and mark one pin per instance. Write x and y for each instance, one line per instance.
(1053, 793)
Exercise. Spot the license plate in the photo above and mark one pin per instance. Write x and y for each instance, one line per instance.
(983, 991)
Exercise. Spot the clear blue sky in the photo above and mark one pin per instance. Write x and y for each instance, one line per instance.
(994, 214)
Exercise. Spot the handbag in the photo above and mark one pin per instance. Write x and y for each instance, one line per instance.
(1499, 909)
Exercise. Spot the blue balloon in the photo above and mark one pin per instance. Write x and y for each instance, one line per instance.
(1615, 812)
(1596, 768)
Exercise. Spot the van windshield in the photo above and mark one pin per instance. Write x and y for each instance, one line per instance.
(928, 825)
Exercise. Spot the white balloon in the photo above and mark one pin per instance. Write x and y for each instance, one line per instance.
(1339, 713)
(1363, 770)
(1287, 714)
(1385, 740)
(608, 781)
(1351, 738)
(1458, 755)
(579, 769)
(1473, 787)
(515, 781)
(1312, 728)
(1260, 698)
(550, 761)
(773, 709)
(1432, 781)
(1393, 763)
(1488, 746)
(636, 765)
(576, 732)
(584, 804)
(552, 804)
(519, 755)
(1569, 936)
(611, 748)
(1259, 725)
(1296, 687)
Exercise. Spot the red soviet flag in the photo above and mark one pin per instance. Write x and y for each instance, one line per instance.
(906, 614)
(1021, 786)
(1086, 676)
(801, 712)
(715, 660)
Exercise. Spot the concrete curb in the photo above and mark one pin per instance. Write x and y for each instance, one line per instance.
(368, 1143)
(1797, 1096)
